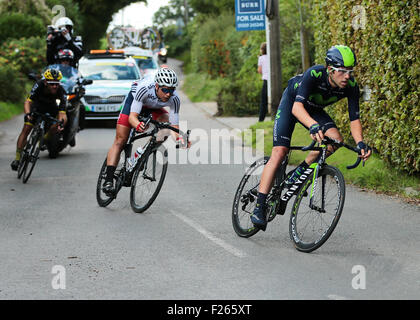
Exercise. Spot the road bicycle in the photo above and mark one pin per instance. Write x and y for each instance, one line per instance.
(146, 177)
(35, 143)
(320, 194)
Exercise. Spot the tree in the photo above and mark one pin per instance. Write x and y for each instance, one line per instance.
(169, 14)
(304, 34)
(212, 6)
(96, 16)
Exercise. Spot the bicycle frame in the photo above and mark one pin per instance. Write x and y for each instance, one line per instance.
(314, 169)
(125, 176)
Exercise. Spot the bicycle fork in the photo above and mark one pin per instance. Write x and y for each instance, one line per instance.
(316, 166)
(313, 190)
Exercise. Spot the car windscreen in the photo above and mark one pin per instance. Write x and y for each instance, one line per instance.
(100, 70)
(146, 63)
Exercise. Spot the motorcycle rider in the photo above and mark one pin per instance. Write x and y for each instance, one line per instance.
(42, 99)
(66, 56)
(61, 37)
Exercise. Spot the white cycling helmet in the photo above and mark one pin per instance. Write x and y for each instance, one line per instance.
(64, 22)
(166, 77)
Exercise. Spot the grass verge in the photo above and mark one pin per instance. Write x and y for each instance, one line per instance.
(199, 87)
(376, 175)
(8, 110)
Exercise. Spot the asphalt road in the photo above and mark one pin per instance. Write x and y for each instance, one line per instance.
(184, 246)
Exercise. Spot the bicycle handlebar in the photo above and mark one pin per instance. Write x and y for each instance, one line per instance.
(46, 116)
(328, 140)
(166, 125)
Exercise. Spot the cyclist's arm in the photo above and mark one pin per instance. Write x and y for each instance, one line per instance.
(33, 96)
(299, 111)
(356, 130)
(306, 86)
(133, 119)
(139, 93)
(357, 133)
(27, 106)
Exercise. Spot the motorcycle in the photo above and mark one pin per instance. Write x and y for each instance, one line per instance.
(73, 84)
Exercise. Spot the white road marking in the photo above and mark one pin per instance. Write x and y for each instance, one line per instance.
(231, 249)
(336, 297)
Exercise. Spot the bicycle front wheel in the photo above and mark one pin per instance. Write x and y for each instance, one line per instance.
(31, 155)
(311, 225)
(148, 179)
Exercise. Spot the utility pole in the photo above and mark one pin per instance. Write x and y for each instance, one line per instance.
(274, 54)
(304, 50)
(186, 12)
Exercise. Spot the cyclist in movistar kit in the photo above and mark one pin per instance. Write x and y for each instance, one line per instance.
(147, 96)
(303, 101)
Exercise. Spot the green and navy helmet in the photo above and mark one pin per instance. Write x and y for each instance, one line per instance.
(340, 56)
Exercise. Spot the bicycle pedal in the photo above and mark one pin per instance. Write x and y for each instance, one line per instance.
(261, 227)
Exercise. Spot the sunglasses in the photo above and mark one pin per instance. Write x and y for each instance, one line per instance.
(343, 71)
(53, 84)
(167, 90)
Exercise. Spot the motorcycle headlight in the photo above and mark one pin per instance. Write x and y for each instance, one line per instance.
(163, 51)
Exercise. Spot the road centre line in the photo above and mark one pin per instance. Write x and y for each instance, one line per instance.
(231, 249)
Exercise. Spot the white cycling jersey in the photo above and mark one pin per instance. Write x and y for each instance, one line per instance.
(144, 95)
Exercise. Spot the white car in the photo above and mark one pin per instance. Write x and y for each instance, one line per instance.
(146, 60)
(112, 73)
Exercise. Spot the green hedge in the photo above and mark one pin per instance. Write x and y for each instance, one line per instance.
(17, 58)
(387, 49)
(11, 85)
(17, 25)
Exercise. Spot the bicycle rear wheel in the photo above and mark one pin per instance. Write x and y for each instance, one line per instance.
(310, 227)
(148, 179)
(246, 199)
(31, 155)
(23, 163)
(102, 198)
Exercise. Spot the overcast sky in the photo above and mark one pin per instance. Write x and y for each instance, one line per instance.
(137, 14)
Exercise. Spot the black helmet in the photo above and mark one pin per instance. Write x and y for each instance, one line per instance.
(340, 56)
(65, 54)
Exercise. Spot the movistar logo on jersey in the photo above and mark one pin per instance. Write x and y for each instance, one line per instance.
(278, 114)
(352, 83)
(319, 99)
(316, 74)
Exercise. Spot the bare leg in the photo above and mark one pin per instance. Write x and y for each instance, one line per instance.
(121, 138)
(269, 172)
(23, 136)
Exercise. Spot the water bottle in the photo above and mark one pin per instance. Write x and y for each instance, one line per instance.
(133, 160)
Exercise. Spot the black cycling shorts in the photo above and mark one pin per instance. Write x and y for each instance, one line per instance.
(285, 121)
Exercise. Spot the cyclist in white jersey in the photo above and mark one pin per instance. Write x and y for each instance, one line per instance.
(147, 96)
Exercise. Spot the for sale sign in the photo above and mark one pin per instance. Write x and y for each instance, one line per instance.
(249, 15)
